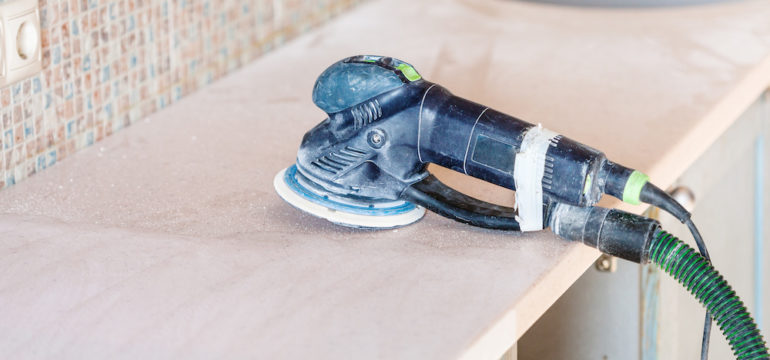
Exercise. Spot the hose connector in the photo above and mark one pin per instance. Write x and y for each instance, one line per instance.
(613, 232)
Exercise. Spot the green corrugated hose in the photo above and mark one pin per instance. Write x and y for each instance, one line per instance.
(695, 273)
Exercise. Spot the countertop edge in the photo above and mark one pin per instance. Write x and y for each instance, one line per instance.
(496, 340)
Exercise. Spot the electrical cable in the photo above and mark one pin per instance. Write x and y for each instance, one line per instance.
(433, 195)
(704, 349)
(653, 195)
(439, 198)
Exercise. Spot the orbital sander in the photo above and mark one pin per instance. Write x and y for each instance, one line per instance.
(365, 166)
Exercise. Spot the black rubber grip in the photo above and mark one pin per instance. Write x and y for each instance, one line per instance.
(443, 200)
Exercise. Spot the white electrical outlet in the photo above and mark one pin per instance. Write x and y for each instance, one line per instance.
(20, 51)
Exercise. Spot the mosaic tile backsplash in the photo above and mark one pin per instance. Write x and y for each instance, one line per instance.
(108, 63)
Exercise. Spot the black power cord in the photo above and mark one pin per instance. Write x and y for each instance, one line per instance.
(704, 348)
(437, 197)
(653, 195)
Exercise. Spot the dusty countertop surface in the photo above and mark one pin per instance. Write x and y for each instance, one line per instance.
(167, 239)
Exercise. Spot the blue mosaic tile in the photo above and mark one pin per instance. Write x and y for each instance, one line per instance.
(107, 63)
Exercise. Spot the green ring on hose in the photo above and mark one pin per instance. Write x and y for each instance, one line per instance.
(633, 187)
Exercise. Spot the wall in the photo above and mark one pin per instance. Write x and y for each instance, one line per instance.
(109, 63)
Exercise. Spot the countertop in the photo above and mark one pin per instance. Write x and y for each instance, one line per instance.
(167, 239)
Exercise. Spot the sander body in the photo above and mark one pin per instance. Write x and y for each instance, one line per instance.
(365, 165)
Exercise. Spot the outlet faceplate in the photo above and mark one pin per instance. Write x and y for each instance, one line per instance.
(20, 53)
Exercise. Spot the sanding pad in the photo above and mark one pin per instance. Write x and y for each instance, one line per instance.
(289, 184)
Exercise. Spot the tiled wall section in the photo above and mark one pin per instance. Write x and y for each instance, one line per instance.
(107, 63)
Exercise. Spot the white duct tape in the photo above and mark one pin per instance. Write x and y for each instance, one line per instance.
(528, 172)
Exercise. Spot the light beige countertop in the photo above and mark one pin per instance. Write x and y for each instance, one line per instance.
(167, 239)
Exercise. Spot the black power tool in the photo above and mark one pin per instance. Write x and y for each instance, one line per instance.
(366, 166)
(367, 161)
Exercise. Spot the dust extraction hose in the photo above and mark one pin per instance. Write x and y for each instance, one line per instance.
(641, 240)
(696, 274)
